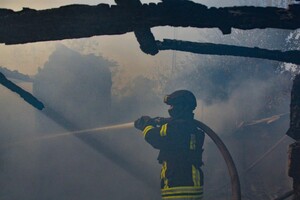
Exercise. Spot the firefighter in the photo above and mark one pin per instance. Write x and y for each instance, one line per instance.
(180, 143)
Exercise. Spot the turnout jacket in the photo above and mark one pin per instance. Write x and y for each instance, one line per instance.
(180, 143)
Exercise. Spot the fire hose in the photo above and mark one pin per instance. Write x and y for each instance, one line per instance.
(234, 177)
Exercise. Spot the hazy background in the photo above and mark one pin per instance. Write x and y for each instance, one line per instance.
(103, 80)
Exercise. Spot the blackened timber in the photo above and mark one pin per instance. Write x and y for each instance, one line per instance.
(29, 98)
(294, 168)
(229, 50)
(78, 21)
(142, 33)
(294, 130)
(146, 40)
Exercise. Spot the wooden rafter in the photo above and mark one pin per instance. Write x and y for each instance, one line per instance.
(78, 21)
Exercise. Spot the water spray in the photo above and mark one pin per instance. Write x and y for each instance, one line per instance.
(85, 131)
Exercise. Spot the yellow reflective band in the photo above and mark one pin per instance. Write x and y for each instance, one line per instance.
(196, 176)
(163, 170)
(163, 130)
(184, 197)
(166, 182)
(182, 192)
(193, 142)
(163, 175)
(184, 189)
(166, 99)
(146, 129)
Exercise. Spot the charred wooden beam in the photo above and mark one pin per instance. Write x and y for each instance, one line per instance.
(294, 132)
(294, 168)
(29, 98)
(146, 40)
(230, 50)
(78, 21)
(142, 33)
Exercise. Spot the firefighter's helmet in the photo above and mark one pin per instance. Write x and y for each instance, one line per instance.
(181, 102)
(183, 98)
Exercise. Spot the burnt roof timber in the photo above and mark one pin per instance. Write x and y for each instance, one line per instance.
(79, 21)
(292, 56)
(28, 97)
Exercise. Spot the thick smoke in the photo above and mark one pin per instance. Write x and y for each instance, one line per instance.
(137, 99)
(78, 86)
(76, 90)
(82, 92)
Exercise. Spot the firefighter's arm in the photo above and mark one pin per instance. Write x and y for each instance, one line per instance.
(155, 136)
(143, 122)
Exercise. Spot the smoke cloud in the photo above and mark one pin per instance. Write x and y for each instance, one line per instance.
(100, 81)
(76, 90)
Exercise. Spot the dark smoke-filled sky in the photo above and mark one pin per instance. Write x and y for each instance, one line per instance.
(92, 82)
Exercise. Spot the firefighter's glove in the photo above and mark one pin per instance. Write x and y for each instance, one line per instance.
(142, 122)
